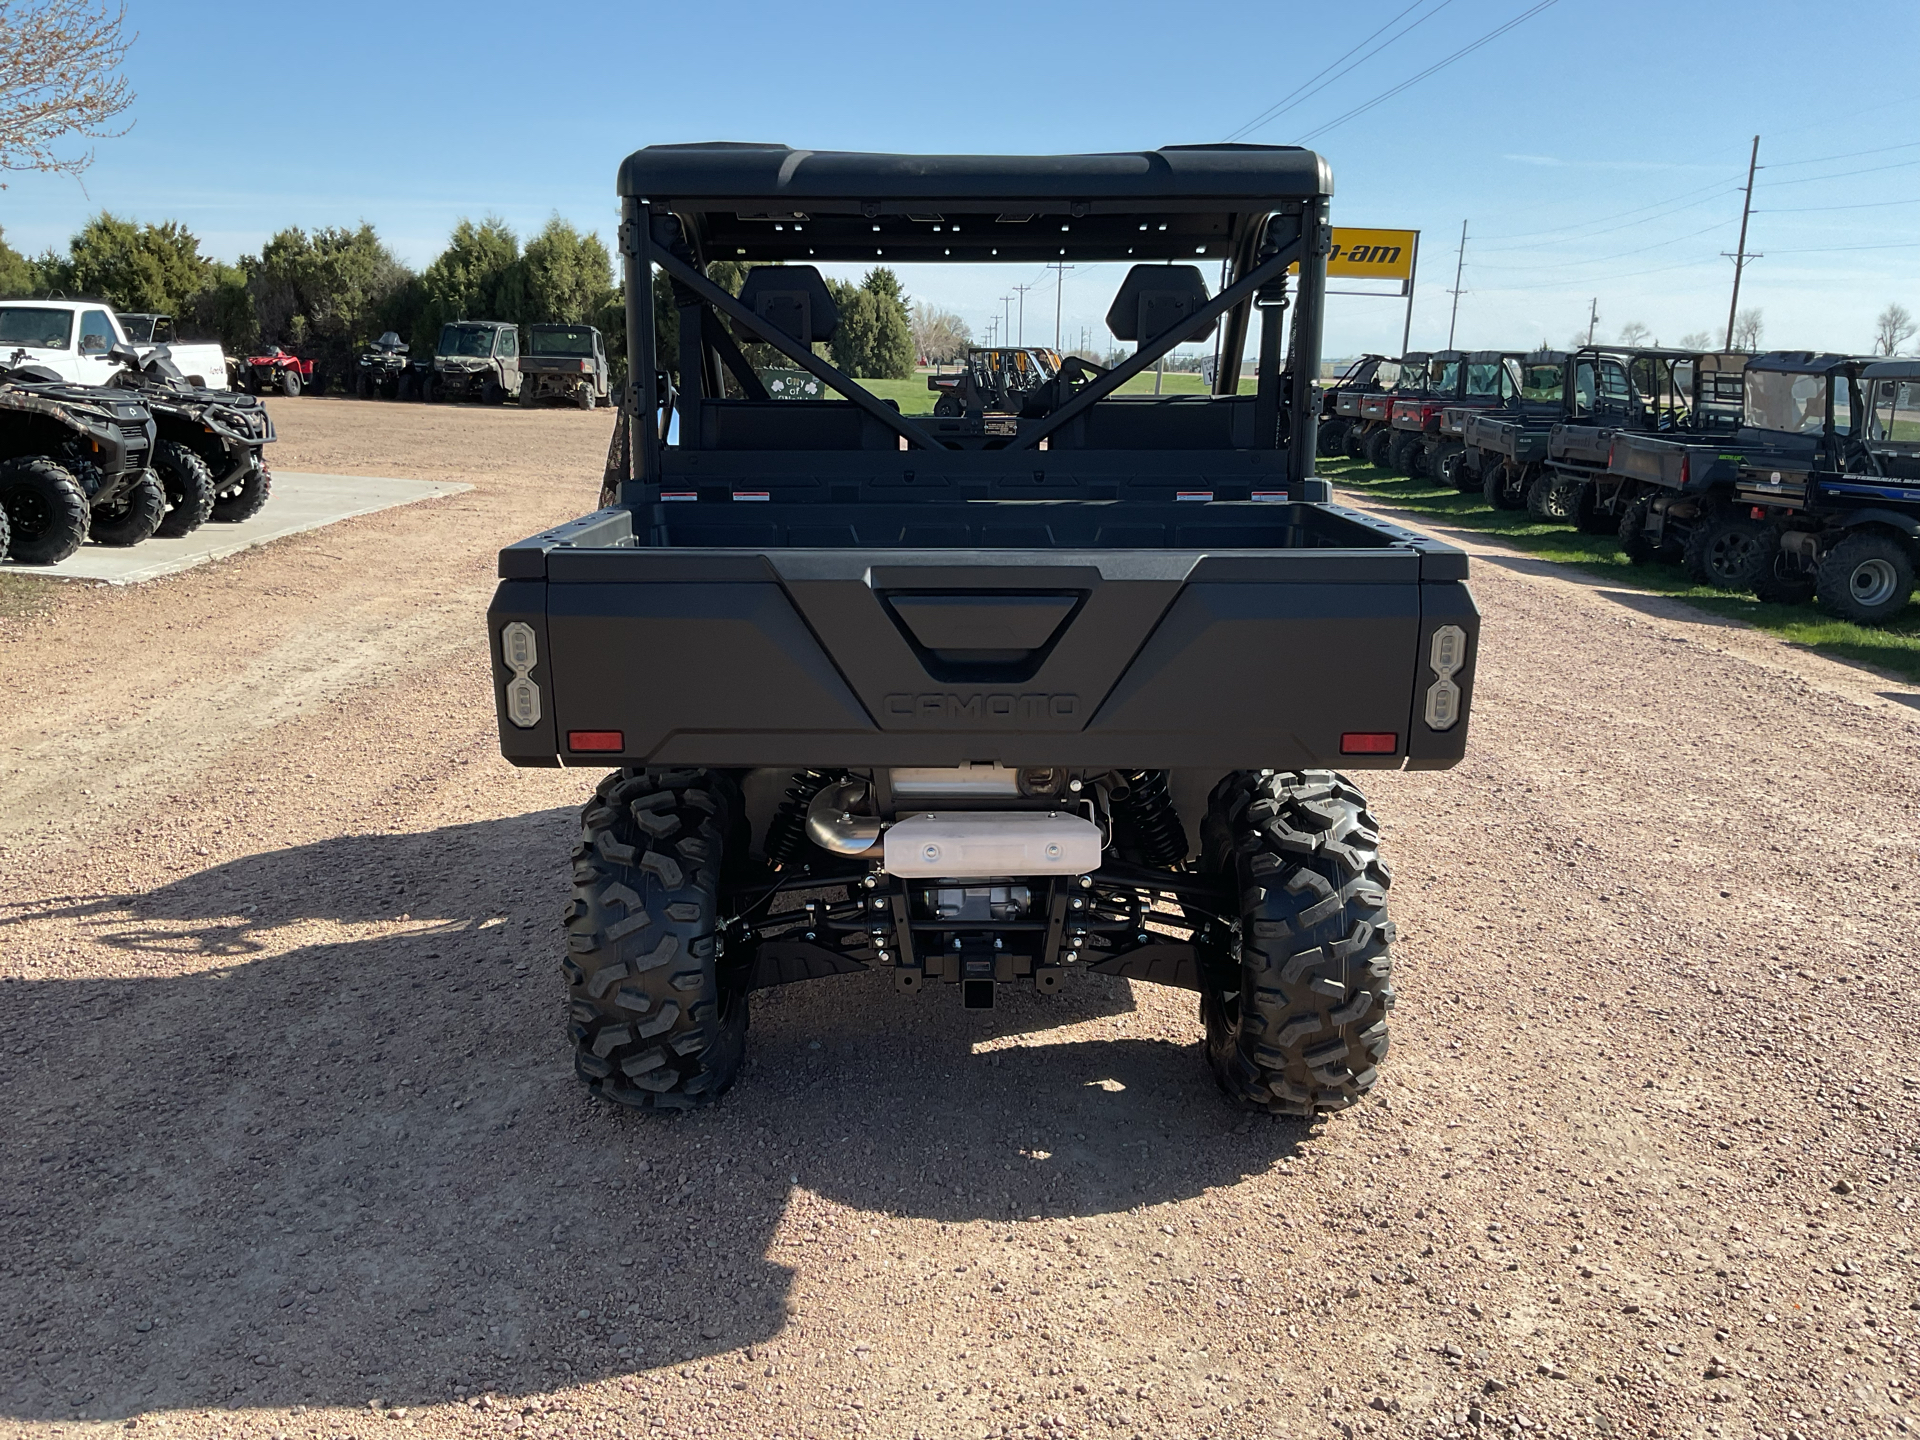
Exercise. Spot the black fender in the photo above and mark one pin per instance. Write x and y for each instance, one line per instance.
(1867, 519)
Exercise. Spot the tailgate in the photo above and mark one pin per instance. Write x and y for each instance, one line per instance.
(1142, 658)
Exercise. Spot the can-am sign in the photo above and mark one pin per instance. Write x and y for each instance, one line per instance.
(1371, 254)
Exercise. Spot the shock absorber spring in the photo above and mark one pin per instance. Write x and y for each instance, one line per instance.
(1148, 823)
(787, 831)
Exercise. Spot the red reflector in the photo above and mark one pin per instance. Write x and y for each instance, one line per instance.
(601, 740)
(1364, 742)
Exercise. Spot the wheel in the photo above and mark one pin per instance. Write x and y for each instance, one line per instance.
(316, 383)
(491, 393)
(526, 393)
(1331, 438)
(1787, 580)
(1401, 445)
(243, 499)
(1502, 487)
(1729, 551)
(1635, 543)
(1377, 445)
(1296, 1005)
(1588, 517)
(6, 533)
(1448, 464)
(134, 516)
(189, 489)
(429, 390)
(289, 382)
(406, 388)
(1550, 499)
(46, 510)
(585, 399)
(948, 407)
(362, 386)
(1355, 442)
(656, 1009)
(1867, 577)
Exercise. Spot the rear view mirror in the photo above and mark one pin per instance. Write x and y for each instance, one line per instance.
(125, 354)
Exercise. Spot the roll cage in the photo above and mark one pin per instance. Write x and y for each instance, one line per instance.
(1250, 213)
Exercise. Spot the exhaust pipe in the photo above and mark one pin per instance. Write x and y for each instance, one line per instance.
(832, 825)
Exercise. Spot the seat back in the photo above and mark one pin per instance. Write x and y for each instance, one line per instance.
(1154, 299)
(793, 299)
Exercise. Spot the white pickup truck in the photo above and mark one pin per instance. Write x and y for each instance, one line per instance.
(72, 338)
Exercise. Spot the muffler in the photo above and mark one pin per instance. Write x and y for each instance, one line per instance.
(977, 844)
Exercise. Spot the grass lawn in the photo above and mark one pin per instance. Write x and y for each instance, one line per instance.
(1894, 647)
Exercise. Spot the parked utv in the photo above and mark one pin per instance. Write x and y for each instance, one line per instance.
(209, 455)
(1851, 536)
(475, 360)
(73, 461)
(874, 709)
(378, 369)
(1704, 503)
(1340, 401)
(564, 362)
(1370, 431)
(1501, 448)
(996, 381)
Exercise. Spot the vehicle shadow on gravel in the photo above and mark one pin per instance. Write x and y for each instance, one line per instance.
(335, 1171)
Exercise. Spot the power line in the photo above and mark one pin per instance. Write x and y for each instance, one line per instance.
(1432, 69)
(1844, 155)
(1724, 190)
(1843, 174)
(1303, 93)
(1621, 254)
(1822, 209)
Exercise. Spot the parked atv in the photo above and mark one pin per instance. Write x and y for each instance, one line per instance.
(380, 368)
(209, 455)
(475, 360)
(995, 381)
(276, 369)
(73, 461)
(1501, 448)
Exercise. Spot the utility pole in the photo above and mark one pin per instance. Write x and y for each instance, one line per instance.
(1023, 289)
(1458, 266)
(1740, 255)
(1006, 317)
(1060, 268)
(1593, 317)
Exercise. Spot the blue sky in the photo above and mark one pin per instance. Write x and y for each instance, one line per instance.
(1595, 150)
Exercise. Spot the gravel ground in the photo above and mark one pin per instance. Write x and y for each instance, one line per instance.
(291, 1144)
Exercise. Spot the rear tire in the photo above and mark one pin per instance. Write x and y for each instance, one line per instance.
(585, 399)
(1296, 1004)
(46, 510)
(1401, 445)
(1867, 578)
(657, 1015)
(1331, 438)
(134, 517)
(1377, 445)
(189, 489)
(1550, 499)
(492, 393)
(243, 499)
(1635, 543)
(1588, 517)
(1503, 487)
(1729, 551)
(1354, 442)
(1786, 581)
(290, 383)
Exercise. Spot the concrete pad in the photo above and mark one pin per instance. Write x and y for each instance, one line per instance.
(299, 502)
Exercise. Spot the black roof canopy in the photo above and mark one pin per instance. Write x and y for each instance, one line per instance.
(770, 202)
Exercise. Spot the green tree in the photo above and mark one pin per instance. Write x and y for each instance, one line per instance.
(327, 293)
(135, 267)
(569, 276)
(18, 275)
(224, 309)
(477, 277)
(875, 338)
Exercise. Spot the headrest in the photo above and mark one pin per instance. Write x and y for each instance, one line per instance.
(793, 299)
(1153, 299)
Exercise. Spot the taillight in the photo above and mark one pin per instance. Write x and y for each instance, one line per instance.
(1610, 450)
(1367, 742)
(596, 741)
(1686, 469)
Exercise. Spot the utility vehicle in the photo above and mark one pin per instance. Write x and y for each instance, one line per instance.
(564, 362)
(73, 461)
(1340, 401)
(1371, 432)
(1850, 535)
(209, 454)
(998, 380)
(1500, 448)
(1705, 502)
(475, 360)
(979, 700)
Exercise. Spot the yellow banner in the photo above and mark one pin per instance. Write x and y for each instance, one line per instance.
(1371, 254)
